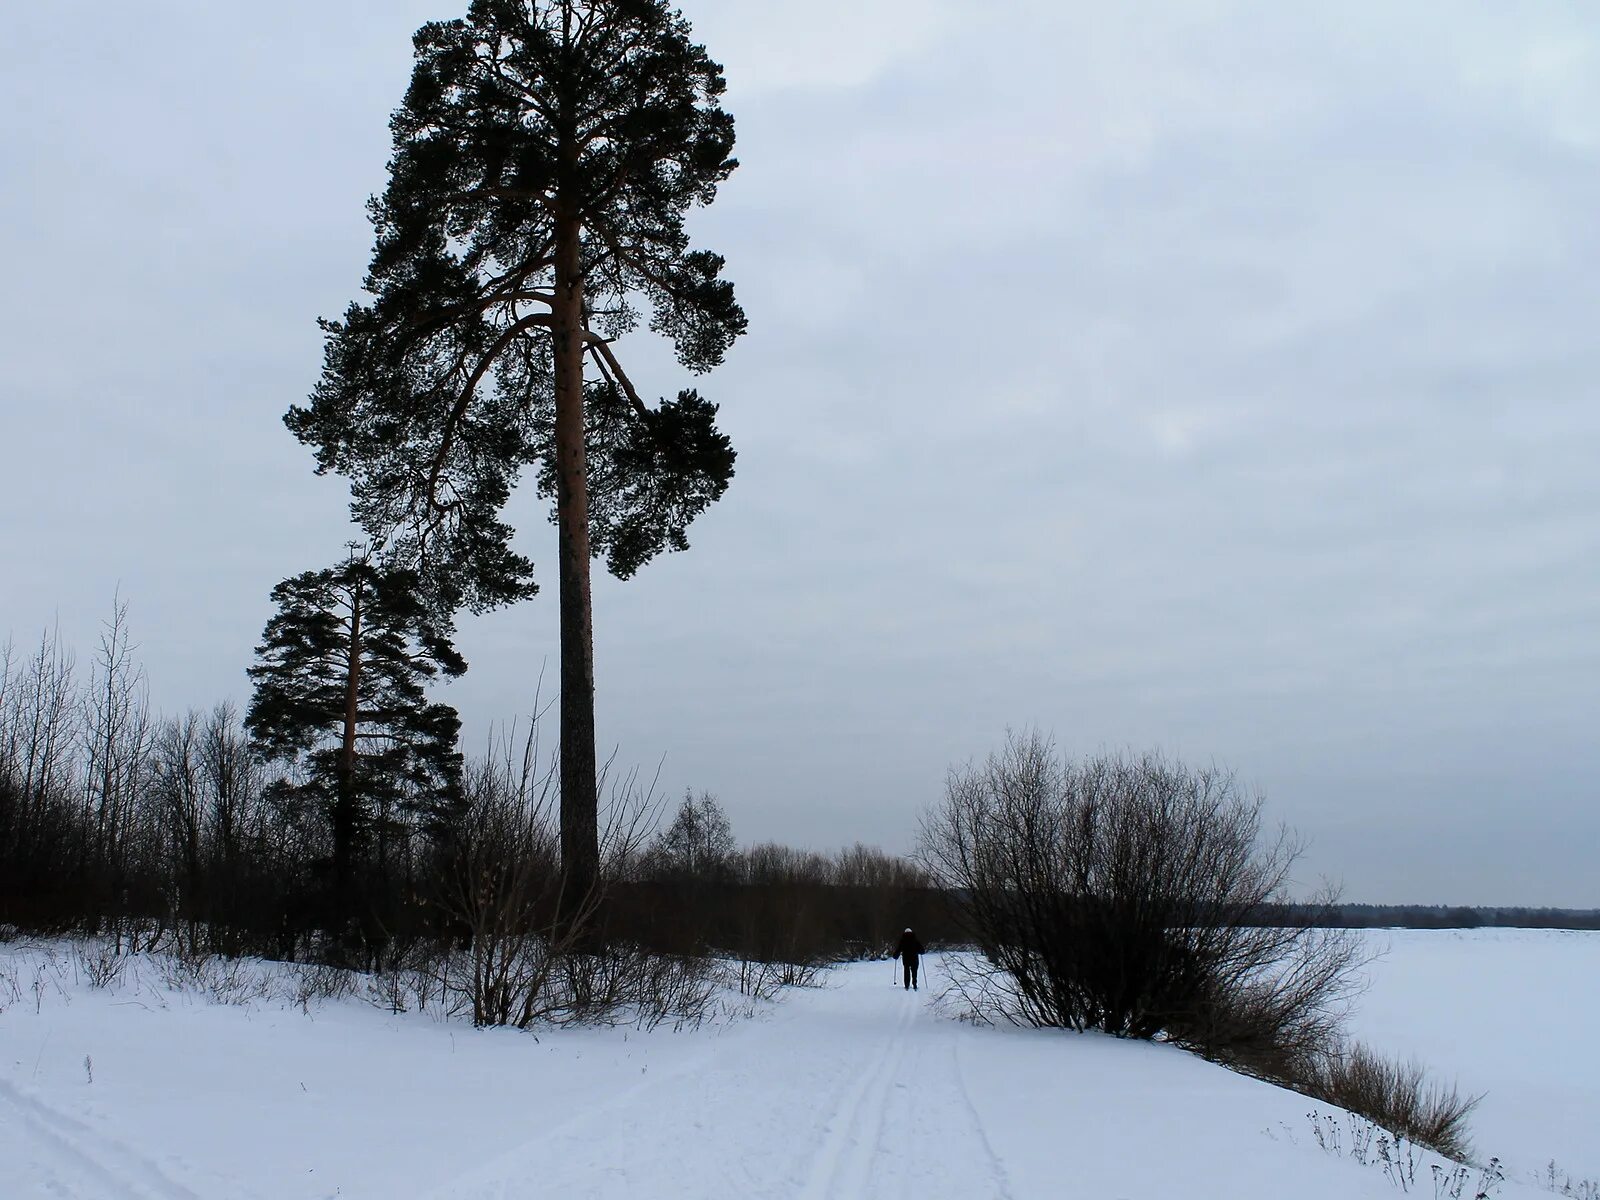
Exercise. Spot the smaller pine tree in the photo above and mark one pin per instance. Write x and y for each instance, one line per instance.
(340, 698)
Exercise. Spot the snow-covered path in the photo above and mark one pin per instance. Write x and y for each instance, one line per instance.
(875, 1106)
(853, 1091)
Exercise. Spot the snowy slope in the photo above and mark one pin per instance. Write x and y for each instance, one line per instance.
(1509, 1013)
(855, 1090)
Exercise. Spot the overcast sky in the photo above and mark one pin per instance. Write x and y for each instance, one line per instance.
(1213, 377)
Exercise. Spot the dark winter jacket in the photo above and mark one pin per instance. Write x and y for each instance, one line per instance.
(909, 949)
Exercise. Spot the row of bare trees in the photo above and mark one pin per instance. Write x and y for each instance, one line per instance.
(116, 820)
(94, 790)
(119, 822)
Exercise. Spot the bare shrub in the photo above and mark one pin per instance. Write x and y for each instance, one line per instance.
(674, 989)
(801, 975)
(535, 952)
(49, 979)
(99, 961)
(392, 990)
(625, 983)
(1562, 1183)
(757, 980)
(1452, 1183)
(235, 981)
(1370, 1143)
(10, 985)
(319, 981)
(504, 890)
(181, 970)
(763, 979)
(220, 980)
(1126, 894)
(1280, 1020)
(1395, 1096)
(1138, 896)
(412, 978)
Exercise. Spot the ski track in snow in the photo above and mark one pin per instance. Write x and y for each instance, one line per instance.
(996, 1167)
(81, 1161)
(843, 1166)
(498, 1177)
(743, 1120)
(906, 1126)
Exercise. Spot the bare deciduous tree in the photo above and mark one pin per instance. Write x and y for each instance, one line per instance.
(116, 730)
(1127, 894)
(43, 725)
(696, 845)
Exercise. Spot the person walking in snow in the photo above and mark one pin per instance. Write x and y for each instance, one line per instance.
(909, 952)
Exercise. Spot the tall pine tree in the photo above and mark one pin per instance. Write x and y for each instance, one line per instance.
(545, 157)
(340, 680)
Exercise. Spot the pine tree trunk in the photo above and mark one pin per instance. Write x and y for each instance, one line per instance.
(344, 813)
(580, 837)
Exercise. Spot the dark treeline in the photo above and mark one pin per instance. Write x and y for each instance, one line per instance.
(1437, 916)
(117, 821)
(182, 831)
(770, 902)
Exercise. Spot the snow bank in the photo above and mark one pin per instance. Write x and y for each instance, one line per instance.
(858, 1089)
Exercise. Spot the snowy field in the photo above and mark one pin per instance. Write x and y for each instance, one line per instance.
(1510, 1013)
(856, 1089)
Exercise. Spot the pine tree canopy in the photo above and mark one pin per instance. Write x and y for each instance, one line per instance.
(315, 708)
(528, 121)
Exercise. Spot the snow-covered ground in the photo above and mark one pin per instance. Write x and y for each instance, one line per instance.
(857, 1089)
(1510, 1013)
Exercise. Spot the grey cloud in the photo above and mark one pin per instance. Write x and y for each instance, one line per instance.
(1222, 383)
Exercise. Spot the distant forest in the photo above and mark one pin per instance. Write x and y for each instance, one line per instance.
(1438, 916)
